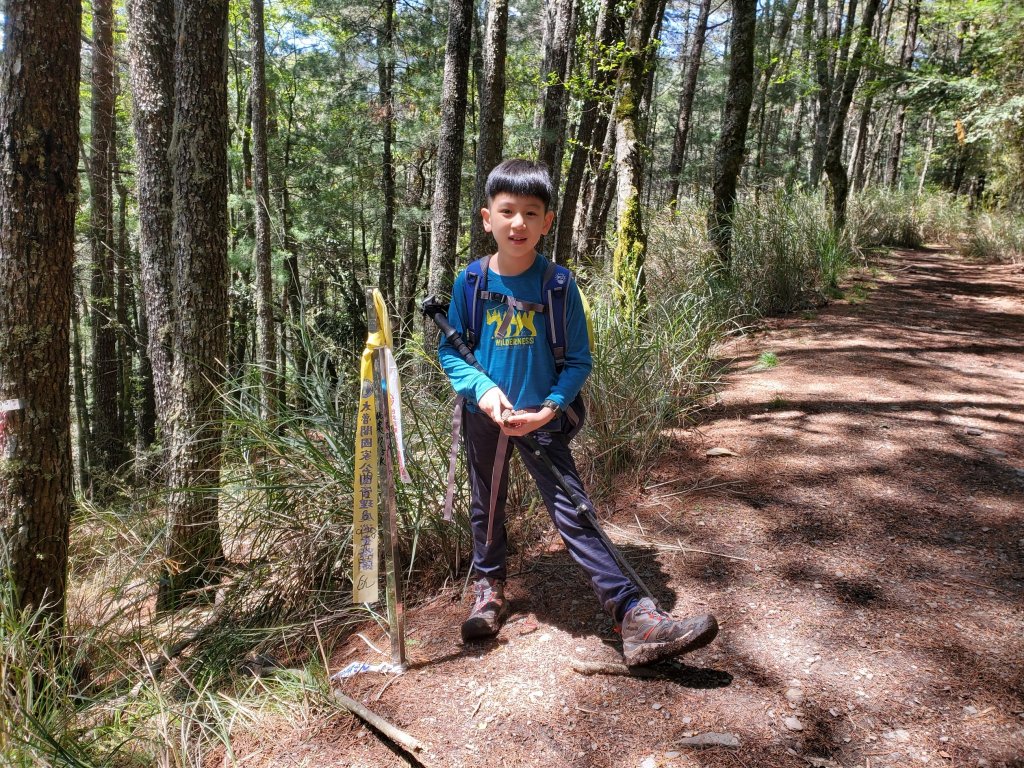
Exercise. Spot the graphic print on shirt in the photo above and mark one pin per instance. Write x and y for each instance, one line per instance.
(514, 327)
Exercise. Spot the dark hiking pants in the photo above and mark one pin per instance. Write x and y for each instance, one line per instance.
(613, 588)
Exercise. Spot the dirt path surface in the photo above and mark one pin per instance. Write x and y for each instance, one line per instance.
(867, 546)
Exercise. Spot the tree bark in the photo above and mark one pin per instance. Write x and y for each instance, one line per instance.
(689, 89)
(266, 334)
(590, 133)
(907, 64)
(729, 152)
(451, 140)
(490, 143)
(151, 66)
(772, 59)
(822, 122)
(631, 235)
(386, 80)
(199, 148)
(39, 144)
(834, 168)
(108, 442)
(556, 95)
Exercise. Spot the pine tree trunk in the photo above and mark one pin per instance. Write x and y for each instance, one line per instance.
(151, 65)
(386, 79)
(412, 253)
(907, 63)
(108, 442)
(590, 132)
(839, 185)
(266, 334)
(490, 143)
(451, 140)
(39, 144)
(773, 58)
(729, 152)
(200, 245)
(556, 95)
(631, 235)
(689, 89)
(823, 117)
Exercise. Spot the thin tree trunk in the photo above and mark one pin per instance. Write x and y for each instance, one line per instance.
(631, 235)
(412, 253)
(591, 130)
(451, 140)
(39, 143)
(927, 155)
(151, 66)
(860, 149)
(109, 443)
(194, 551)
(556, 95)
(833, 156)
(729, 153)
(772, 58)
(689, 90)
(266, 334)
(907, 64)
(386, 79)
(490, 144)
(823, 117)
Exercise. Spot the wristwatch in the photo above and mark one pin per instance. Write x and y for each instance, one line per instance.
(549, 403)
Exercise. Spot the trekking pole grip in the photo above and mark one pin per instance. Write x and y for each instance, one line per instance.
(435, 309)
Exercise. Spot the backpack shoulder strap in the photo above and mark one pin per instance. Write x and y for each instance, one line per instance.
(556, 286)
(475, 285)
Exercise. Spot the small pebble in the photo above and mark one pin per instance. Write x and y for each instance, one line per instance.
(793, 724)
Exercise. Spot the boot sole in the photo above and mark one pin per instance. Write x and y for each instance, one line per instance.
(704, 632)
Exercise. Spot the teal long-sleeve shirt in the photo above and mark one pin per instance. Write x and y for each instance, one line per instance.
(521, 364)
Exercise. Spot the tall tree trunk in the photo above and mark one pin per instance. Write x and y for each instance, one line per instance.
(109, 443)
(200, 238)
(772, 59)
(386, 79)
(729, 152)
(151, 65)
(412, 253)
(833, 156)
(590, 133)
(907, 64)
(631, 234)
(451, 140)
(490, 143)
(81, 397)
(860, 150)
(293, 296)
(266, 334)
(39, 71)
(556, 95)
(686, 94)
(823, 117)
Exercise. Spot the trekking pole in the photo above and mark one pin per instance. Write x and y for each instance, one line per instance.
(438, 313)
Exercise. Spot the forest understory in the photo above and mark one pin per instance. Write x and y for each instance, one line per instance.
(860, 544)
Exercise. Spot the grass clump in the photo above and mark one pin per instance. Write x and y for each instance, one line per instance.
(996, 237)
(880, 217)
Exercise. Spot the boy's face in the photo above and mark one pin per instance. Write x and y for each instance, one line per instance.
(517, 222)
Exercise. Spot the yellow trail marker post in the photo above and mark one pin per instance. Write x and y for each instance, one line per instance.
(379, 404)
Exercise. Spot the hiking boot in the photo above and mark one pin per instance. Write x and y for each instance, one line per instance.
(489, 610)
(649, 634)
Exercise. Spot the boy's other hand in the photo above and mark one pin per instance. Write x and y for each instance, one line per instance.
(494, 403)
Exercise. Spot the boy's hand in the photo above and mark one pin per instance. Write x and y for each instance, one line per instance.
(494, 403)
(519, 423)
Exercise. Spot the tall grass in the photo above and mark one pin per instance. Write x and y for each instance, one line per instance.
(995, 237)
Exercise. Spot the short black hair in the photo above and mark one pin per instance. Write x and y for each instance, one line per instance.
(518, 176)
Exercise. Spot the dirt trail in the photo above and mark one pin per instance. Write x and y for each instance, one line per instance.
(868, 545)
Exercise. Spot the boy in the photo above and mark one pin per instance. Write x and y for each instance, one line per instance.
(525, 392)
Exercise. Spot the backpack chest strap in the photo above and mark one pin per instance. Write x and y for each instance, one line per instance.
(512, 301)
